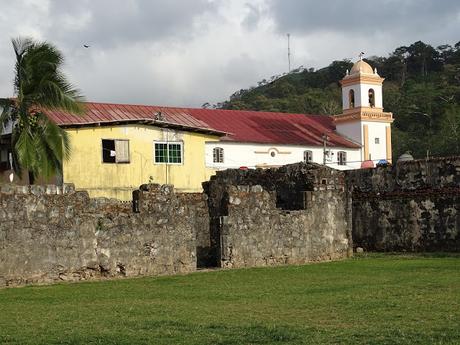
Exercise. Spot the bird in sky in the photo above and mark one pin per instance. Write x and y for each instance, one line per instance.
(86, 46)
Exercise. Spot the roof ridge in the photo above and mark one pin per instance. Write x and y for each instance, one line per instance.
(203, 109)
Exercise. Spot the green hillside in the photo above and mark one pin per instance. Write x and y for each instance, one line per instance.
(422, 89)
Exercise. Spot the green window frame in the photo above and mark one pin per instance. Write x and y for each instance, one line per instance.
(168, 152)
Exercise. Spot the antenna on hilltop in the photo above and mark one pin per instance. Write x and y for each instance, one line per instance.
(289, 52)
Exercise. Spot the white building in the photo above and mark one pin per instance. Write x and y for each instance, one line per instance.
(363, 119)
(265, 139)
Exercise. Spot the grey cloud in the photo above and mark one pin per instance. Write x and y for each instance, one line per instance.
(252, 18)
(109, 23)
(364, 16)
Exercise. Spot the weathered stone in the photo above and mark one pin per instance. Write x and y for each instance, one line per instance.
(68, 188)
(72, 237)
(234, 200)
(359, 250)
(22, 189)
(290, 215)
(410, 206)
(257, 189)
(7, 189)
(264, 217)
(51, 189)
(36, 190)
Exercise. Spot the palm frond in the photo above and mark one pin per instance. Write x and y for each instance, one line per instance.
(26, 151)
(55, 138)
(16, 163)
(40, 146)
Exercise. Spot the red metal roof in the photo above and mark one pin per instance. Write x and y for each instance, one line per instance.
(275, 128)
(107, 113)
(239, 125)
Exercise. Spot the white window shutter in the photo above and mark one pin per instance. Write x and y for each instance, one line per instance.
(122, 151)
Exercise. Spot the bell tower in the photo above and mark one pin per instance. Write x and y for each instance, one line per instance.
(363, 119)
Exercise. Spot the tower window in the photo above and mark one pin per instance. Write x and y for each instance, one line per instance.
(307, 156)
(377, 140)
(341, 158)
(218, 155)
(351, 96)
(371, 98)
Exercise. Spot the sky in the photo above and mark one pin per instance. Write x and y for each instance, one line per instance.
(189, 52)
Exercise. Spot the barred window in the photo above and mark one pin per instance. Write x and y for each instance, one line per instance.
(341, 158)
(115, 151)
(218, 155)
(307, 156)
(168, 153)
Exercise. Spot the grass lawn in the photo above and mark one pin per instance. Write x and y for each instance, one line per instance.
(376, 299)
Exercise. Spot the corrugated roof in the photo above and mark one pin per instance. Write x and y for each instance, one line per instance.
(270, 127)
(239, 125)
(107, 113)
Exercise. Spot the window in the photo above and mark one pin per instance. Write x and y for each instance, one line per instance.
(218, 155)
(115, 151)
(377, 140)
(341, 158)
(351, 97)
(307, 156)
(371, 98)
(168, 153)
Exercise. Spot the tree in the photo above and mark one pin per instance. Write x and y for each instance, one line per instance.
(37, 144)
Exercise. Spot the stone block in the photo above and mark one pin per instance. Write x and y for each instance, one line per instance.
(68, 188)
(37, 190)
(51, 189)
(8, 189)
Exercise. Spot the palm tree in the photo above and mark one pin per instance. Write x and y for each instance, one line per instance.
(37, 144)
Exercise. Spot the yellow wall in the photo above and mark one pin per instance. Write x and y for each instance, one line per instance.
(117, 180)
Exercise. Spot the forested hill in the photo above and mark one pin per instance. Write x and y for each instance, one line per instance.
(422, 89)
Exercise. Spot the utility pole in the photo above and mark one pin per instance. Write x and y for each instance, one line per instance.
(289, 53)
(325, 138)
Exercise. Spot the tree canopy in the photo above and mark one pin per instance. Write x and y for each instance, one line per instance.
(37, 144)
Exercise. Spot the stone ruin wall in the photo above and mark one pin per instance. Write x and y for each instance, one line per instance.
(411, 206)
(291, 215)
(294, 214)
(48, 237)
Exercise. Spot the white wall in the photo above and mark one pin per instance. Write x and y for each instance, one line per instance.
(377, 130)
(251, 155)
(350, 130)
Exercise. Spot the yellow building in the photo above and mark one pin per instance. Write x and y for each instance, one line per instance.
(116, 148)
(112, 161)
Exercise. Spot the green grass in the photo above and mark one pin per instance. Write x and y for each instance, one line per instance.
(377, 299)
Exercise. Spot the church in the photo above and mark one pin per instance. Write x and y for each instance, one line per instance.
(359, 137)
